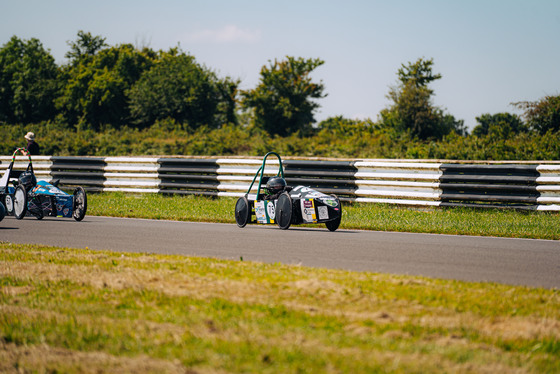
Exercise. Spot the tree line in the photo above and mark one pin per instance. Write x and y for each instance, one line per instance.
(103, 88)
(109, 85)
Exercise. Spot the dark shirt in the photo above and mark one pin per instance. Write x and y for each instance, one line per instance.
(33, 148)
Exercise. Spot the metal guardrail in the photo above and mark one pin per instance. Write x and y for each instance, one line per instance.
(525, 185)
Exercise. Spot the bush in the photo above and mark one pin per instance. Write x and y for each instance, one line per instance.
(339, 139)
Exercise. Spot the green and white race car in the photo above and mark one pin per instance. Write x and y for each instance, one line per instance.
(276, 202)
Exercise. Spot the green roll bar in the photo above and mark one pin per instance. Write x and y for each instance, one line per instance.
(261, 171)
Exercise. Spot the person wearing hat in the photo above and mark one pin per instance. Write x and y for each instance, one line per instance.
(32, 146)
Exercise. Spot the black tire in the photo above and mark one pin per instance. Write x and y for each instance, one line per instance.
(79, 204)
(333, 225)
(242, 211)
(284, 210)
(20, 202)
(38, 214)
(2, 211)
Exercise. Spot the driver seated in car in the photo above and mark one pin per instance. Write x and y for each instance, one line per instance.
(27, 179)
(275, 186)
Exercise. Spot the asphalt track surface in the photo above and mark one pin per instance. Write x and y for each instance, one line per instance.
(525, 262)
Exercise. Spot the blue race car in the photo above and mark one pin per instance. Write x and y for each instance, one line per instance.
(38, 198)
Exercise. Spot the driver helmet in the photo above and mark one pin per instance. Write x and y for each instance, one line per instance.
(27, 179)
(275, 185)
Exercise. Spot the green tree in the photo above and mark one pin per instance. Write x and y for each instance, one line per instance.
(505, 124)
(95, 86)
(542, 115)
(179, 88)
(28, 82)
(86, 45)
(418, 74)
(283, 100)
(227, 93)
(412, 109)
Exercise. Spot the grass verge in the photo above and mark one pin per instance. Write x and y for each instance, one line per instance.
(460, 221)
(71, 310)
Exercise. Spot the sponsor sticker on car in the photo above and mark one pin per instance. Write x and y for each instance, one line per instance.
(323, 212)
(264, 211)
(308, 210)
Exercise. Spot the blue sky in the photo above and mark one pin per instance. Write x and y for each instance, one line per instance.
(489, 52)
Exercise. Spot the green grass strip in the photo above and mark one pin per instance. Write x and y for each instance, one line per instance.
(158, 313)
(457, 221)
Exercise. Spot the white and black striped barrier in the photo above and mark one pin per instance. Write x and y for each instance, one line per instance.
(526, 185)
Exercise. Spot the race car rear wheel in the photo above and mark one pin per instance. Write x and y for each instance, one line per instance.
(79, 205)
(20, 202)
(333, 225)
(284, 211)
(2, 211)
(242, 211)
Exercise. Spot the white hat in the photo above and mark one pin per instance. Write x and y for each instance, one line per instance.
(30, 136)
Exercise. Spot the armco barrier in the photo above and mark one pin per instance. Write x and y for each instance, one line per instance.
(525, 185)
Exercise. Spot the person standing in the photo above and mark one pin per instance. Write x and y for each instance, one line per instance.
(32, 146)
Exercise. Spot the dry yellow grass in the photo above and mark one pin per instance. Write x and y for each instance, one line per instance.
(148, 313)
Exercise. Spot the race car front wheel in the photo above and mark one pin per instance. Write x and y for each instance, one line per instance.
(284, 211)
(79, 205)
(20, 202)
(242, 211)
